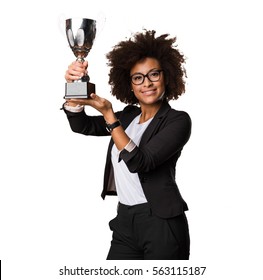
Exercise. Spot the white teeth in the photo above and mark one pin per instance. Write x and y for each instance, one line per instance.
(148, 92)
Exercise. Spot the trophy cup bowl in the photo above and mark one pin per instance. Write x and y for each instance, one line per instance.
(80, 34)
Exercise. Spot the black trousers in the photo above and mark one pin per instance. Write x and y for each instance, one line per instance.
(140, 235)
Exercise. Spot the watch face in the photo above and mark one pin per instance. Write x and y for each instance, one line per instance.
(108, 129)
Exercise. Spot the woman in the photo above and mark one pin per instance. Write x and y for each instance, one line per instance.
(147, 138)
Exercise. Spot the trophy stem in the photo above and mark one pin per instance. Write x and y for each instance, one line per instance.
(80, 59)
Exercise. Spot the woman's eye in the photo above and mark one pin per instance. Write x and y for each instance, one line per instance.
(137, 78)
(154, 74)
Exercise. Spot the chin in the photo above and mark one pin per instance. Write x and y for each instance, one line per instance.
(151, 101)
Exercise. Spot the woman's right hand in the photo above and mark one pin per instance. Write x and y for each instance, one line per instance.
(76, 70)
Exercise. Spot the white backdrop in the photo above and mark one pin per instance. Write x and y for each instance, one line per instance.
(51, 212)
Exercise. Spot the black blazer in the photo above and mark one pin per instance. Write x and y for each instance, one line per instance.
(154, 159)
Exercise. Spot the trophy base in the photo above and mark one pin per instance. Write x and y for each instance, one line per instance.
(79, 90)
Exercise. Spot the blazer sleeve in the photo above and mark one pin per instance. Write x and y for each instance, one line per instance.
(164, 144)
(87, 125)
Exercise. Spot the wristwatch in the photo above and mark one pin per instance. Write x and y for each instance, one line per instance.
(111, 126)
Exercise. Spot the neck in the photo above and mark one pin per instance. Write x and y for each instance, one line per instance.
(149, 111)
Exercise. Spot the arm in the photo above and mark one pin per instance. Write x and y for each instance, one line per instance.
(87, 125)
(166, 143)
(173, 134)
(83, 123)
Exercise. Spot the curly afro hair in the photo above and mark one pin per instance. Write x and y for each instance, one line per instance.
(142, 45)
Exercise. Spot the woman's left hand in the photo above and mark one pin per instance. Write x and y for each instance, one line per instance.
(103, 105)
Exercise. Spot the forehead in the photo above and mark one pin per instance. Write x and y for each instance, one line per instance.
(145, 65)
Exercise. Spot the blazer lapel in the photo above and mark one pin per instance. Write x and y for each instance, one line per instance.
(126, 120)
(151, 127)
(129, 117)
(154, 124)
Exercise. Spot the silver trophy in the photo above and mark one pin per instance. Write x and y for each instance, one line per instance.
(80, 33)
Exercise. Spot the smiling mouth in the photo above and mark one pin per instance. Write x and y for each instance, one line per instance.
(149, 92)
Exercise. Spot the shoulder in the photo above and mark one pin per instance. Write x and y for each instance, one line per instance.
(128, 114)
(131, 109)
(128, 110)
(178, 119)
(173, 114)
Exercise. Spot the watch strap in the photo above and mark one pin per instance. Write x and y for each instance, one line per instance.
(111, 126)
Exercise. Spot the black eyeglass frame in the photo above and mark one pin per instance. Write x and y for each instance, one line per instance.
(146, 75)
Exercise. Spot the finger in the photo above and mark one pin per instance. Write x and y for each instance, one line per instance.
(78, 100)
(72, 77)
(79, 66)
(75, 69)
(95, 97)
(81, 101)
(75, 73)
(85, 64)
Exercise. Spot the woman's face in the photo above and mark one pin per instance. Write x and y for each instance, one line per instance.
(148, 92)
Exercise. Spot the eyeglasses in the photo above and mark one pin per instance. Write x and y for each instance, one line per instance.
(153, 76)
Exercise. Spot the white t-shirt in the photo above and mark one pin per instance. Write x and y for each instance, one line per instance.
(128, 185)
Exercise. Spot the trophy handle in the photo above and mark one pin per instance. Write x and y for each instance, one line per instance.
(101, 20)
(61, 24)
